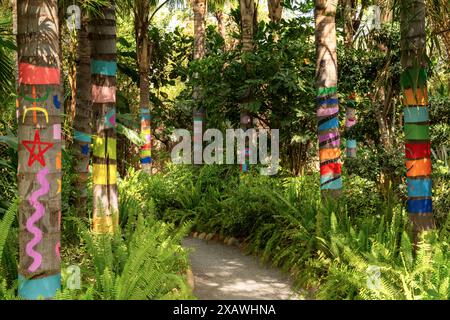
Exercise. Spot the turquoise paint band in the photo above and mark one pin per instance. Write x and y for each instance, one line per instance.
(106, 68)
(83, 137)
(333, 185)
(351, 144)
(419, 187)
(39, 288)
(416, 114)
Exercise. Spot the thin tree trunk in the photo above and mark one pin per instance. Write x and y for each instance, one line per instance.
(221, 26)
(199, 28)
(327, 99)
(39, 172)
(417, 137)
(275, 10)
(144, 55)
(83, 117)
(247, 24)
(350, 122)
(104, 67)
(348, 23)
(200, 9)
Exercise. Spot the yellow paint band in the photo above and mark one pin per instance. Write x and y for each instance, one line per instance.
(105, 224)
(146, 153)
(101, 151)
(104, 175)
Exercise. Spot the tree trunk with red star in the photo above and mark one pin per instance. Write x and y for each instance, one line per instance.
(39, 172)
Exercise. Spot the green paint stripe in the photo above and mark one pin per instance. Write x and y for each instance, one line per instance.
(413, 78)
(417, 132)
(324, 91)
(107, 68)
(101, 151)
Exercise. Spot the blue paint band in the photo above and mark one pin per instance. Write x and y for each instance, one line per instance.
(334, 185)
(56, 102)
(327, 101)
(351, 144)
(83, 137)
(419, 206)
(85, 149)
(419, 187)
(39, 288)
(145, 111)
(146, 160)
(415, 114)
(146, 117)
(330, 124)
(106, 68)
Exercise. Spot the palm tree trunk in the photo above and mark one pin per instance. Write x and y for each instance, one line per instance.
(416, 119)
(348, 23)
(327, 99)
(39, 172)
(83, 117)
(247, 24)
(103, 69)
(221, 26)
(144, 55)
(350, 122)
(200, 9)
(275, 10)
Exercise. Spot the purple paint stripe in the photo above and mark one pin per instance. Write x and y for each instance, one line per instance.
(327, 136)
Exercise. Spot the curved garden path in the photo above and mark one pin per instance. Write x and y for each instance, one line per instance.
(223, 272)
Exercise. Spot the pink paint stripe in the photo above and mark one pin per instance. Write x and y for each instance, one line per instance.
(323, 112)
(35, 217)
(350, 123)
(326, 136)
(35, 75)
(102, 94)
(57, 131)
(335, 143)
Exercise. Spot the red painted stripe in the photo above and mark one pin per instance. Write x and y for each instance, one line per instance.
(35, 75)
(417, 150)
(330, 168)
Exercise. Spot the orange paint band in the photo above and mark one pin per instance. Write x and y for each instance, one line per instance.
(328, 154)
(417, 98)
(416, 168)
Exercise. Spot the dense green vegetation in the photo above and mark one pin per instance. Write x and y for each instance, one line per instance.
(328, 246)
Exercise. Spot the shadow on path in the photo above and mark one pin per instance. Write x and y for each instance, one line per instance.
(223, 273)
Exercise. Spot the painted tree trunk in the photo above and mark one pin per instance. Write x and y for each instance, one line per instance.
(247, 20)
(350, 122)
(83, 117)
(144, 55)
(103, 77)
(416, 114)
(327, 99)
(39, 171)
(275, 10)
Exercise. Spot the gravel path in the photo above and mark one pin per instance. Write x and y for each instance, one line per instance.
(224, 273)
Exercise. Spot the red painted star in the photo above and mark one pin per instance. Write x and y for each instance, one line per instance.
(31, 147)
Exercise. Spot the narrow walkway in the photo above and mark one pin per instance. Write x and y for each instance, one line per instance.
(224, 273)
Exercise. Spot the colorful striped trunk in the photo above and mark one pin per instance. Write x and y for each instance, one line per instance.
(416, 116)
(350, 122)
(39, 171)
(103, 70)
(146, 134)
(327, 100)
